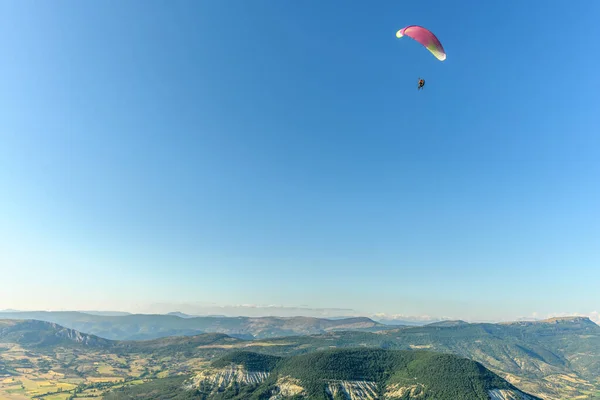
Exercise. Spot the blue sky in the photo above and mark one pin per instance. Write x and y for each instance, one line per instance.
(273, 152)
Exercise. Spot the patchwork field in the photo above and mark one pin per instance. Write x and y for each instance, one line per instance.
(69, 374)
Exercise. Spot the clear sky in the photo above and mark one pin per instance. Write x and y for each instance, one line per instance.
(278, 152)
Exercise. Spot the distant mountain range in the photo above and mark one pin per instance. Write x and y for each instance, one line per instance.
(107, 313)
(386, 320)
(145, 326)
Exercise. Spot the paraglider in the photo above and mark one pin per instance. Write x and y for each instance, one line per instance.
(427, 39)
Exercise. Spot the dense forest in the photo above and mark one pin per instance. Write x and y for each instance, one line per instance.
(431, 375)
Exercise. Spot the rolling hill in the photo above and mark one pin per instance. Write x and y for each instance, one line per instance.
(358, 374)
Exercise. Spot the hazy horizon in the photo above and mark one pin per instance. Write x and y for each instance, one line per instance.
(248, 310)
(278, 153)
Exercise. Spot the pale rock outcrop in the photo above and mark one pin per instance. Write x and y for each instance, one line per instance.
(503, 394)
(353, 390)
(396, 391)
(287, 386)
(222, 378)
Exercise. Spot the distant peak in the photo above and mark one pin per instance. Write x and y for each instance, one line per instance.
(180, 314)
(355, 319)
(457, 322)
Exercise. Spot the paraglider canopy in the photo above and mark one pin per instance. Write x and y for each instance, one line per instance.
(426, 38)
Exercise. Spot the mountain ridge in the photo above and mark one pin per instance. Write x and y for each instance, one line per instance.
(36, 333)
